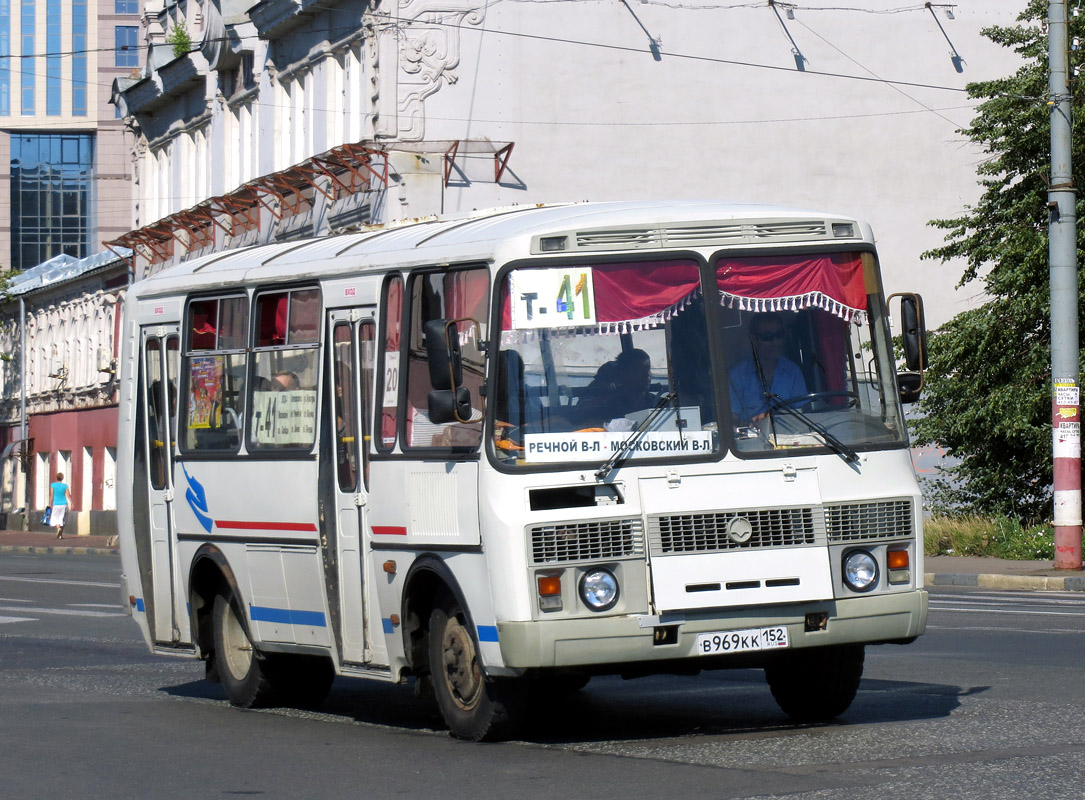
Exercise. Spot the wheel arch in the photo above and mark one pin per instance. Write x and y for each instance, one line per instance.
(210, 574)
(425, 580)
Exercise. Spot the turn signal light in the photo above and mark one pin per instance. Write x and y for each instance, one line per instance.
(549, 585)
(898, 559)
(549, 592)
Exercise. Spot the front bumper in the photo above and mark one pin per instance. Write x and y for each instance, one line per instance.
(629, 639)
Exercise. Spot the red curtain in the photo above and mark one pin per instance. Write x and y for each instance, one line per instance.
(781, 283)
(626, 292)
(635, 291)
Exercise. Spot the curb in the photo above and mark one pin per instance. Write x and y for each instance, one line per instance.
(1027, 582)
(60, 550)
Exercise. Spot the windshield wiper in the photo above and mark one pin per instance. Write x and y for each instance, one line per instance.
(626, 446)
(837, 446)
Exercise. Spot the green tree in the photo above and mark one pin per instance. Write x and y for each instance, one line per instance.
(179, 38)
(987, 398)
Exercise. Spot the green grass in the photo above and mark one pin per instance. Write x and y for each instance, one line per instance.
(996, 537)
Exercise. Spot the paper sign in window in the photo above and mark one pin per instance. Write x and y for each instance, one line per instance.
(553, 298)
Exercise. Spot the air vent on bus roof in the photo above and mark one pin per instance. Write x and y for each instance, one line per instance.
(707, 234)
(800, 229)
(619, 239)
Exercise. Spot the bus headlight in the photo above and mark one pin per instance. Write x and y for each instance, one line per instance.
(599, 589)
(860, 571)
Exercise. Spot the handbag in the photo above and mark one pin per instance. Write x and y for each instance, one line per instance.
(48, 513)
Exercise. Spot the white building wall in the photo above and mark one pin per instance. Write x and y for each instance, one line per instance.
(720, 112)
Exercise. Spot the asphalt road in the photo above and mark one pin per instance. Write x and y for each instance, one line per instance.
(986, 705)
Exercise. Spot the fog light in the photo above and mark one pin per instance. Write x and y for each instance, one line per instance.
(599, 589)
(860, 571)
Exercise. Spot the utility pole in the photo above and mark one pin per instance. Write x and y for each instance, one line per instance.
(1062, 252)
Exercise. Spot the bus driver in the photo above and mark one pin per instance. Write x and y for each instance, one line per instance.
(766, 372)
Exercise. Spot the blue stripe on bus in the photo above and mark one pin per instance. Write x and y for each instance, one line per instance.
(388, 626)
(288, 616)
(487, 633)
(139, 605)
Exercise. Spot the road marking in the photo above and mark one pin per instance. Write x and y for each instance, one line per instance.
(4, 620)
(989, 629)
(65, 612)
(63, 583)
(1008, 611)
(94, 605)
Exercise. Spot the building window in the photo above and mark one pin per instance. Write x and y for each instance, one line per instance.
(126, 6)
(27, 63)
(5, 60)
(53, 17)
(127, 54)
(52, 178)
(79, 58)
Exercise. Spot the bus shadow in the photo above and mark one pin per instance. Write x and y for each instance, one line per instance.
(658, 707)
(736, 702)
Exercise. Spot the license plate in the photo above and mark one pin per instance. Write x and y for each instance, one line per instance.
(710, 644)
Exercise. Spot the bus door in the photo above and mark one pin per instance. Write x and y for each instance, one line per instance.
(345, 471)
(161, 362)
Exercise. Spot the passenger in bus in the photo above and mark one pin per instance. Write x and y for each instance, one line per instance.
(765, 373)
(285, 382)
(620, 386)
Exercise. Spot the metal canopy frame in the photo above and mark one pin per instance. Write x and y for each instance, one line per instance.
(339, 172)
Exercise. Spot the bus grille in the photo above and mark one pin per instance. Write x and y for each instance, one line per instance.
(864, 522)
(706, 533)
(586, 541)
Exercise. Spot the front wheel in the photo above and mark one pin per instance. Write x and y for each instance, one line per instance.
(816, 684)
(474, 707)
(240, 669)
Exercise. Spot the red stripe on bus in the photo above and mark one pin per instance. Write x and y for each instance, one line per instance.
(266, 526)
(389, 530)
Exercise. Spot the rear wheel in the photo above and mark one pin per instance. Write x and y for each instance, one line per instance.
(473, 707)
(817, 684)
(240, 668)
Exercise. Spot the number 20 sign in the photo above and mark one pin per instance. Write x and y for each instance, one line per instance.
(553, 298)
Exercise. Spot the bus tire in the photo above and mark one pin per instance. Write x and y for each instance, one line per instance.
(474, 708)
(241, 669)
(816, 684)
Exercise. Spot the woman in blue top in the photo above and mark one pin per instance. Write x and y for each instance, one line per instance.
(62, 498)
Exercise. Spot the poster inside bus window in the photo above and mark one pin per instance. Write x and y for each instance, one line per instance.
(553, 298)
(205, 388)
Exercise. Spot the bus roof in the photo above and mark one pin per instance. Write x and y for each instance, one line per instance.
(478, 235)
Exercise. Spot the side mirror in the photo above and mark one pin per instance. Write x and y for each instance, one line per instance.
(449, 405)
(913, 335)
(913, 332)
(443, 354)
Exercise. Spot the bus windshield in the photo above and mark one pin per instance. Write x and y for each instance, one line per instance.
(588, 353)
(809, 360)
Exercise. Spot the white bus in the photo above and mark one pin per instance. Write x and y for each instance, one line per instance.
(503, 453)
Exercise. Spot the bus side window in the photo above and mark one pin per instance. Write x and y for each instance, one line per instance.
(213, 373)
(285, 356)
(454, 294)
(389, 363)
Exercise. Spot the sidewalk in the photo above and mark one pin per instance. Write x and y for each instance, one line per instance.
(998, 573)
(40, 543)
